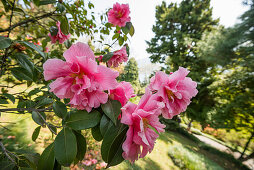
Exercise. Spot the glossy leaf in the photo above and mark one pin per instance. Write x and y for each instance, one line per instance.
(81, 146)
(21, 74)
(107, 56)
(81, 119)
(111, 148)
(47, 158)
(65, 147)
(34, 47)
(64, 25)
(105, 123)
(10, 97)
(112, 109)
(5, 42)
(25, 62)
(36, 133)
(60, 7)
(37, 117)
(60, 109)
(96, 133)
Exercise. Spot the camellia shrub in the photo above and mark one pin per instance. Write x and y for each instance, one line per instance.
(79, 85)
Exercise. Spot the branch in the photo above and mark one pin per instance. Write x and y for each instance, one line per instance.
(25, 109)
(46, 123)
(34, 19)
(5, 152)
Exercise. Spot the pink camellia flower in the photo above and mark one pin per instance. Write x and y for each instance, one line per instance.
(118, 57)
(119, 15)
(174, 90)
(123, 92)
(140, 119)
(61, 37)
(80, 78)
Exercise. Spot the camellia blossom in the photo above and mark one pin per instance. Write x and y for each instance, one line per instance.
(140, 119)
(123, 92)
(175, 90)
(119, 15)
(61, 37)
(80, 78)
(118, 57)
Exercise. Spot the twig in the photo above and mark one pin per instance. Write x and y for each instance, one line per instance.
(28, 20)
(25, 109)
(5, 152)
(8, 35)
(46, 123)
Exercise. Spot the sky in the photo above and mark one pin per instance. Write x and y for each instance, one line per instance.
(143, 18)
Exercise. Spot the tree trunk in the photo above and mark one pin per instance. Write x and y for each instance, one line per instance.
(189, 125)
(248, 157)
(246, 146)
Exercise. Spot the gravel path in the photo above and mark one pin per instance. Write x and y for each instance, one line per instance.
(249, 163)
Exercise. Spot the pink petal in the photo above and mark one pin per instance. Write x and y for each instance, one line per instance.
(78, 50)
(54, 68)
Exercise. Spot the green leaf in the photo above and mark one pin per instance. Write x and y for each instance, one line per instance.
(46, 2)
(121, 41)
(65, 147)
(60, 7)
(112, 109)
(105, 123)
(81, 119)
(36, 133)
(111, 148)
(5, 42)
(3, 101)
(107, 57)
(64, 25)
(10, 97)
(47, 158)
(44, 102)
(81, 146)
(127, 28)
(21, 74)
(34, 47)
(60, 109)
(25, 62)
(7, 164)
(53, 30)
(115, 36)
(67, 44)
(36, 116)
(132, 30)
(34, 91)
(96, 133)
(36, 2)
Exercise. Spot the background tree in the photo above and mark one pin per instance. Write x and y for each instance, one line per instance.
(233, 49)
(131, 74)
(178, 29)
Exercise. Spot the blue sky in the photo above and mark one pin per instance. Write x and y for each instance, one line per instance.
(143, 18)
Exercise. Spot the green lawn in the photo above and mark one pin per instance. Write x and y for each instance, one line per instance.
(172, 150)
(175, 151)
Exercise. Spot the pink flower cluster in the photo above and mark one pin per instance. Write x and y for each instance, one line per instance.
(166, 94)
(61, 37)
(79, 78)
(118, 57)
(119, 15)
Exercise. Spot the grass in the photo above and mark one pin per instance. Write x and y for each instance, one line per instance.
(175, 151)
(172, 150)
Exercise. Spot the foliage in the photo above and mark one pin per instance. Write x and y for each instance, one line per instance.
(131, 74)
(233, 88)
(178, 30)
(24, 48)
